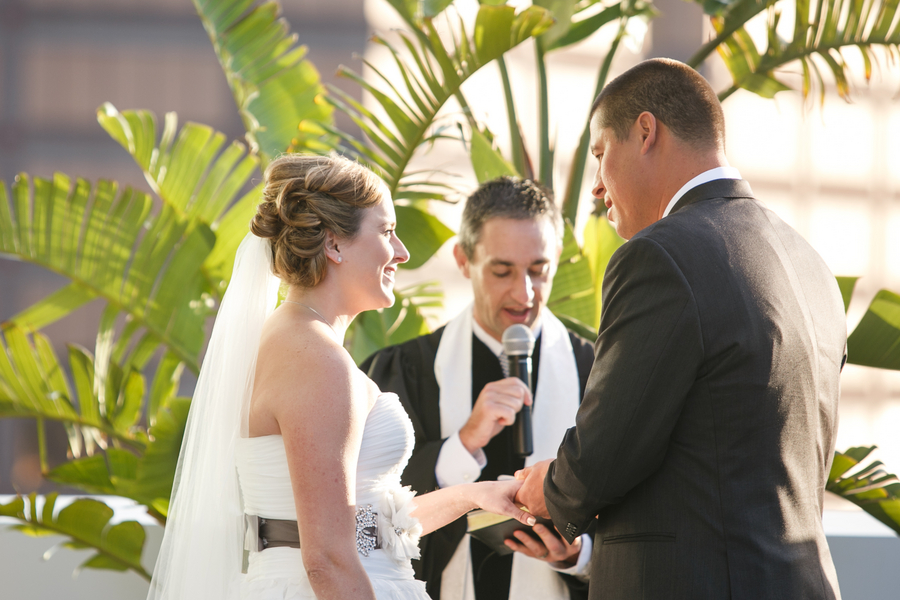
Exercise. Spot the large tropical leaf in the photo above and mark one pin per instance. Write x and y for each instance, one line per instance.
(600, 242)
(487, 162)
(573, 293)
(581, 26)
(145, 478)
(731, 15)
(94, 410)
(86, 522)
(430, 74)
(193, 171)
(275, 87)
(428, 79)
(847, 285)
(870, 487)
(876, 340)
(403, 321)
(414, 11)
(113, 245)
(822, 32)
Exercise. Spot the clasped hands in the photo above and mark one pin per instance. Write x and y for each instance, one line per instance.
(549, 545)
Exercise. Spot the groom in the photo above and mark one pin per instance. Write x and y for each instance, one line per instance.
(703, 443)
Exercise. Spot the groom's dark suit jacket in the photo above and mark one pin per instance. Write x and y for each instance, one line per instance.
(707, 430)
(408, 371)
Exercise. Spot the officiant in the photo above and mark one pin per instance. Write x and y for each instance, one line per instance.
(452, 384)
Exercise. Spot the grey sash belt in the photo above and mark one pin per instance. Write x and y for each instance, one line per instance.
(277, 533)
(281, 533)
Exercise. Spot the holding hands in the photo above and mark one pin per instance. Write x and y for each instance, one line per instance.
(531, 494)
(548, 546)
(499, 497)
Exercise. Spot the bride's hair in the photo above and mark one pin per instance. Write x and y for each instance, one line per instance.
(305, 196)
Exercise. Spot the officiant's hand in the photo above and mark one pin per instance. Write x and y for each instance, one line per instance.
(495, 408)
(548, 546)
(531, 494)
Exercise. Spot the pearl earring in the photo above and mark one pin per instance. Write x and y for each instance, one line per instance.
(340, 258)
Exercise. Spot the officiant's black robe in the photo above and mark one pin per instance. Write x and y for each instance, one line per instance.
(408, 370)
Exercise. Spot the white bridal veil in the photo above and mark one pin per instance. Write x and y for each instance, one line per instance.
(202, 550)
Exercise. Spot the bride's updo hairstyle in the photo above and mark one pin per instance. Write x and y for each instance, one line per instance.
(305, 196)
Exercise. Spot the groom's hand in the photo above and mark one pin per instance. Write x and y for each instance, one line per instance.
(531, 494)
(547, 545)
(495, 408)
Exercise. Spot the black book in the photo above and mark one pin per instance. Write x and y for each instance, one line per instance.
(491, 529)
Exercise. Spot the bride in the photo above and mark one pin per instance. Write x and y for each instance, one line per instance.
(288, 481)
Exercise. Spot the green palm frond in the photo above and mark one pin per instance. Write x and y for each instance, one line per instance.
(101, 410)
(847, 285)
(111, 244)
(146, 477)
(97, 412)
(274, 86)
(86, 522)
(871, 487)
(427, 80)
(875, 342)
(194, 172)
(430, 74)
(731, 15)
(600, 242)
(822, 32)
(415, 11)
(573, 294)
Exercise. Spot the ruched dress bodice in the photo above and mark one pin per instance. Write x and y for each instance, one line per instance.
(387, 443)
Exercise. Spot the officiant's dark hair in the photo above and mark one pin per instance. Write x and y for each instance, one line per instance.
(305, 196)
(509, 198)
(674, 93)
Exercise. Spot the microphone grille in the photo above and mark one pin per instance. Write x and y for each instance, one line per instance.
(518, 340)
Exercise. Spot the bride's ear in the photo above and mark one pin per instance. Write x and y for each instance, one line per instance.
(333, 247)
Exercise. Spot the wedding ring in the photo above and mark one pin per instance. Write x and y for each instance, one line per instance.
(545, 555)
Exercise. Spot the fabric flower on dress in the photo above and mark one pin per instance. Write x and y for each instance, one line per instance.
(398, 531)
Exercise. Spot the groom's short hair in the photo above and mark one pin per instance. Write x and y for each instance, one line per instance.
(509, 198)
(674, 93)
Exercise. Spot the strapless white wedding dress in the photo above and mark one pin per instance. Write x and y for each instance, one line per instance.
(387, 443)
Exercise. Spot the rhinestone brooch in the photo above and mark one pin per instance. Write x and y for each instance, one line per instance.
(366, 527)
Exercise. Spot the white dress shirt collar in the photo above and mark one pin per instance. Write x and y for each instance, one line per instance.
(705, 177)
(494, 345)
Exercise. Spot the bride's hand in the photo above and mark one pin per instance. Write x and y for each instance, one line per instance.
(499, 497)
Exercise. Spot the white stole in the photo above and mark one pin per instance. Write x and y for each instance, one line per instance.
(556, 402)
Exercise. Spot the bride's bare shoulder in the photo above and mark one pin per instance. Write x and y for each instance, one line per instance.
(300, 362)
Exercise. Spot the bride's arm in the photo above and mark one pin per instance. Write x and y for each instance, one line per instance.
(438, 508)
(321, 416)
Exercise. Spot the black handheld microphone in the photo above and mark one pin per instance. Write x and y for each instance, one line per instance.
(518, 344)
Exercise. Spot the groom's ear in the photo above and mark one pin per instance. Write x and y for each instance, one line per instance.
(647, 126)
